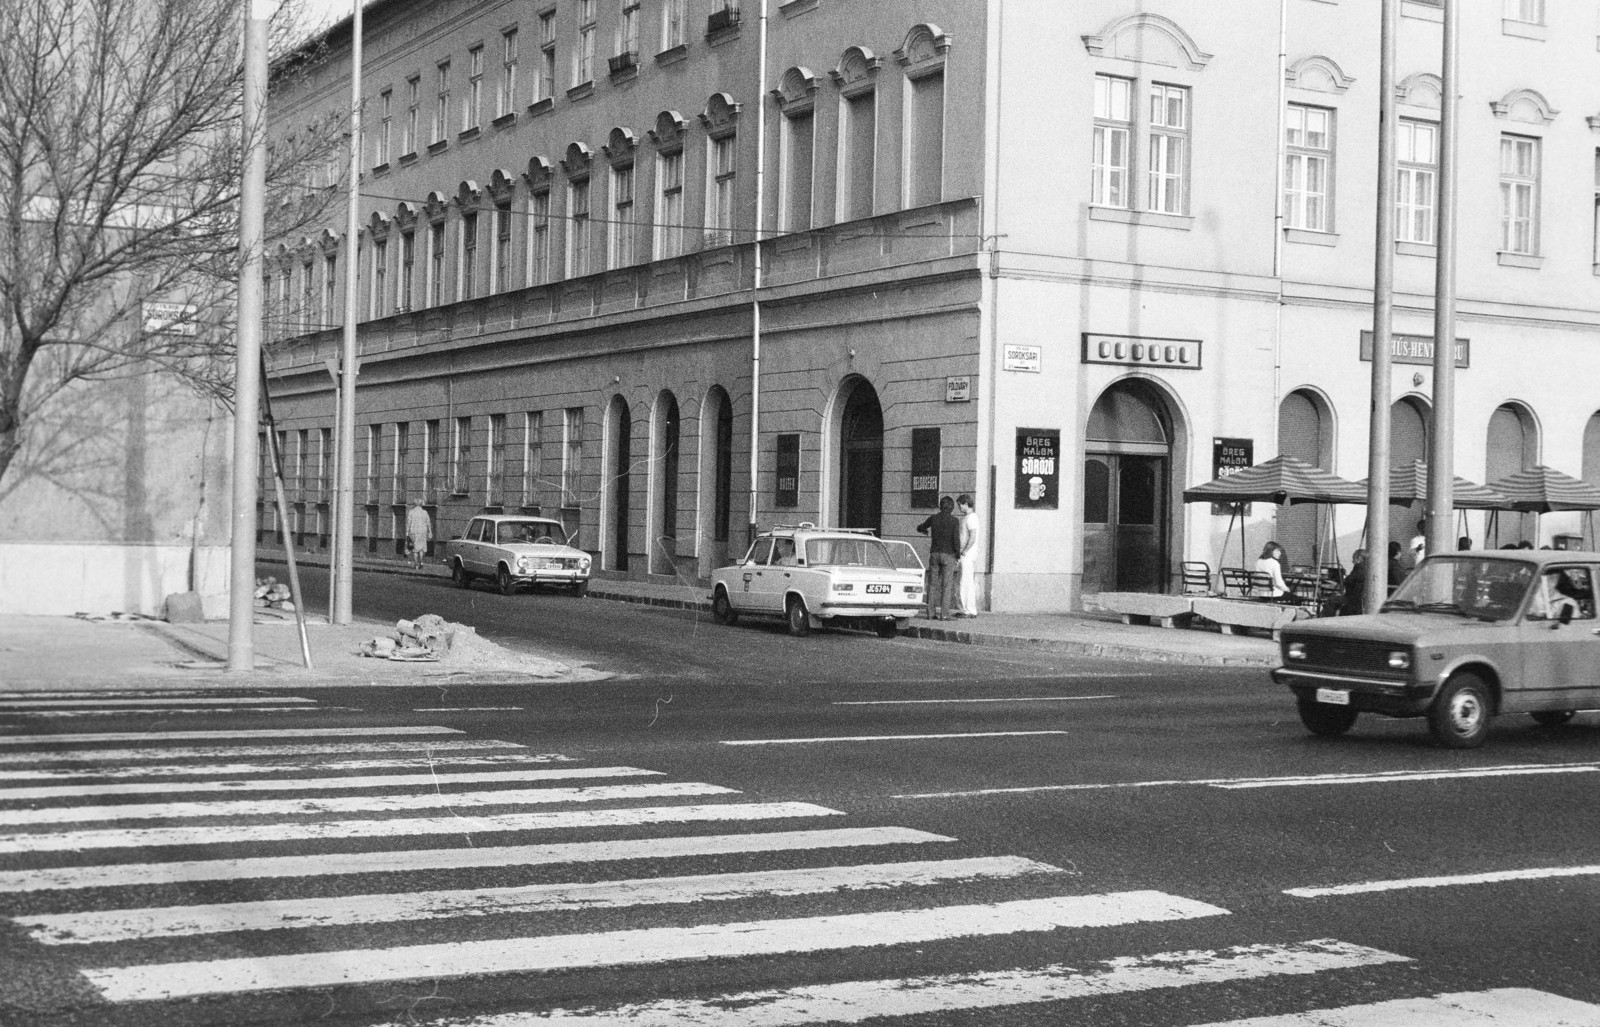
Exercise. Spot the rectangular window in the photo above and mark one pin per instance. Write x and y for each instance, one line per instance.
(324, 461)
(628, 28)
(508, 73)
(501, 256)
(402, 455)
(858, 159)
(469, 256)
(408, 136)
(330, 288)
(374, 448)
(473, 111)
(385, 99)
(672, 21)
(622, 228)
(786, 479)
(571, 454)
(1597, 210)
(578, 228)
(719, 195)
(545, 86)
(408, 267)
(441, 109)
(432, 439)
(1416, 157)
(281, 305)
(308, 320)
(1531, 11)
(669, 205)
(380, 276)
(583, 56)
(925, 122)
(1169, 148)
(532, 455)
(1113, 129)
(302, 451)
(461, 456)
(799, 152)
(1308, 161)
(539, 238)
(436, 264)
(495, 484)
(1519, 194)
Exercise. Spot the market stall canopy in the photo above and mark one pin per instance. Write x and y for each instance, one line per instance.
(1408, 484)
(1283, 479)
(1544, 489)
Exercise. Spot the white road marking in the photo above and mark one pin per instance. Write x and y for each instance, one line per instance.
(295, 784)
(114, 757)
(180, 736)
(461, 709)
(1499, 1007)
(184, 770)
(229, 834)
(169, 711)
(114, 925)
(1490, 877)
(356, 803)
(154, 701)
(637, 947)
(856, 1001)
(119, 875)
(930, 702)
(885, 738)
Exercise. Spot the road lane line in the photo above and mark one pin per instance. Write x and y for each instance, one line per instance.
(115, 925)
(187, 770)
(115, 757)
(1489, 877)
(637, 947)
(885, 738)
(170, 711)
(1498, 1007)
(356, 803)
(153, 701)
(856, 1001)
(926, 702)
(118, 875)
(295, 784)
(463, 709)
(228, 834)
(179, 736)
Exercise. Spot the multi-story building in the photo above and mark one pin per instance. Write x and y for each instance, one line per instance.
(1060, 256)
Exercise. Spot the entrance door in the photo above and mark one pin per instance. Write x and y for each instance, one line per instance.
(861, 459)
(1124, 536)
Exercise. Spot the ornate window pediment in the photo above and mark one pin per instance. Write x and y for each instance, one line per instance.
(924, 49)
(797, 91)
(378, 225)
(328, 243)
(619, 146)
(1424, 89)
(576, 163)
(405, 215)
(1524, 105)
(857, 70)
(501, 186)
(469, 195)
(1147, 39)
(1319, 74)
(721, 116)
(435, 207)
(668, 133)
(538, 173)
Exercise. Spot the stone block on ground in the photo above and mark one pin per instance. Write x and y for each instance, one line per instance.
(185, 608)
(1136, 607)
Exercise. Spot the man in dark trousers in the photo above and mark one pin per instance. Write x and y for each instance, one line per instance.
(944, 560)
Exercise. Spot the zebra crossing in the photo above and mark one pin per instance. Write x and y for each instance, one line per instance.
(214, 864)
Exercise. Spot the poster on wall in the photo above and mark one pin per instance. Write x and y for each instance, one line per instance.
(786, 491)
(1038, 468)
(1230, 456)
(924, 468)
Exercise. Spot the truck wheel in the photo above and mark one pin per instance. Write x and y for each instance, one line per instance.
(459, 575)
(799, 620)
(1552, 718)
(503, 582)
(1324, 719)
(722, 611)
(1460, 714)
(886, 629)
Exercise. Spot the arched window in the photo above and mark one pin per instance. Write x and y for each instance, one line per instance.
(856, 78)
(1512, 446)
(618, 482)
(665, 435)
(1305, 433)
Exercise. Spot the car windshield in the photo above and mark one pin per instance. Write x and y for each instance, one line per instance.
(847, 552)
(528, 531)
(1487, 589)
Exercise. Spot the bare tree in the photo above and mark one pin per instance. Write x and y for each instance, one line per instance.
(120, 156)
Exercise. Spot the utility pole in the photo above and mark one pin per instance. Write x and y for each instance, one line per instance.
(247, 348)
(1377, 580)
(344, 496)
(1441, 455)
(757, 280)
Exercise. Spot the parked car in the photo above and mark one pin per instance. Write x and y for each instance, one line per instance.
(1469, 636)
(517, 551)
(814, 576)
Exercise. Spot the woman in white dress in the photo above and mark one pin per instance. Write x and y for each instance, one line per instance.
(1271, 564)
(971, 529)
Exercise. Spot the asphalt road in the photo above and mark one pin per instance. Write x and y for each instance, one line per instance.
(852, 827)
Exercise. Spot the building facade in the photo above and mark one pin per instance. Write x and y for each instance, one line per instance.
(1067, 258)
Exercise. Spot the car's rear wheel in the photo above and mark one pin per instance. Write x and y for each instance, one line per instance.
(799, 620)
(1460, 714)
(1325, 719)
(722, 611)
(1553, 718)
(503, 582)
(886, 629)
(459, 575)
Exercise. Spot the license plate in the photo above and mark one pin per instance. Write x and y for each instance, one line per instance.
(1336, 696)
(877, 590)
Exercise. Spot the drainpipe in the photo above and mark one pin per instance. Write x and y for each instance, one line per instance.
(1277, 235)
(755, 291)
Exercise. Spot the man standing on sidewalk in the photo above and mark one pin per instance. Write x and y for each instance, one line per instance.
(944, 559)
(419, 532)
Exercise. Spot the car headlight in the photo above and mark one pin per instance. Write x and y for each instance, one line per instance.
(1400, 659)
(1296, 651)
(583, 564)
(525, 564)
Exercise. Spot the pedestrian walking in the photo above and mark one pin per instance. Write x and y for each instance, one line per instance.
(944, 558)
(967, 514)
(419, 532)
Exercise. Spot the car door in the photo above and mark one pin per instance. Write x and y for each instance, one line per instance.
(1560, 655)
(745, 595)
(472, 549)
(779, 576)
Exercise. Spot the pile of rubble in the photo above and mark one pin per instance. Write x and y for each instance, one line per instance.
(428, 639)
(273, 594)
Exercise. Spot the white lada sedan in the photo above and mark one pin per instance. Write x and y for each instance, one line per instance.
(813, 577)
(516, 551)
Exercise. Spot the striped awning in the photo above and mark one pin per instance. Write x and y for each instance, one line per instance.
(1283, 479)
(1544, 489)
(1408, 484)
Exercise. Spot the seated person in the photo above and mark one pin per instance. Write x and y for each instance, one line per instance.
(1556, 592)
(1271, 564)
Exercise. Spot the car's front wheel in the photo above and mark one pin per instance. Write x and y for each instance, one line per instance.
(1324, 719)
(580, 588)
(1553, 718)
(722, 611)
(798, 619)
(459, 575)
(503, 582)
(1460, 714)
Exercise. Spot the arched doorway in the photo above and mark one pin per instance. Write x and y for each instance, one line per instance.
(618, 481)
(861, 459)
(1305, 432)
(1126, 503)
(1591, 467)
(716, 449)
(1513, 445)
(1408, 442)
(664, 498)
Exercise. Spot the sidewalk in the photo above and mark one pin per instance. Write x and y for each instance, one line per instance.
(1084, 634)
